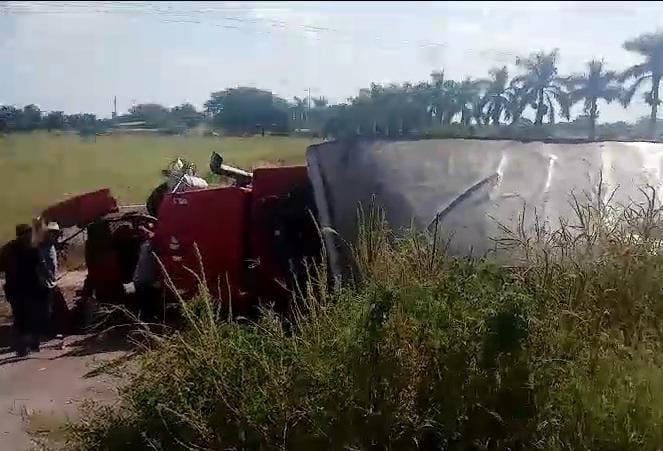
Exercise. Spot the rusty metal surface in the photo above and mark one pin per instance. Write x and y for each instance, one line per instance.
(472, 186)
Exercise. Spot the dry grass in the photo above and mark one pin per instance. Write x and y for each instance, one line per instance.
(47, 429)
(427, 352)
(38, 169)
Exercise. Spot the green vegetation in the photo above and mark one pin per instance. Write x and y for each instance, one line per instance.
(541, 86)
(41, 168)
(650, 46)
(561, 351)
(242, 110)
(597, 84)
(478, 106)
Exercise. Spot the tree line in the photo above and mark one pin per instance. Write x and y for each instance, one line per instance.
(501, 100)
(150, 115)
(31, 118)
(497, 101)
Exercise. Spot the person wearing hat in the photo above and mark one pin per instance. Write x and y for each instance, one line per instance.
(49, 255)
(47, 270)
(19, 260)
(180, 176)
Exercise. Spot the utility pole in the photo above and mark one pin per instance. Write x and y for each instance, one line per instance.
(309, 104)
(114, 115)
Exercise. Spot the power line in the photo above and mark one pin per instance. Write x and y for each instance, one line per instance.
(170, 13)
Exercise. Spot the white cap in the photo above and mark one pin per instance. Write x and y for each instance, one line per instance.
(54, 226)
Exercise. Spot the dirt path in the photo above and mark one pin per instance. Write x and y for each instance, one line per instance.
(39, 393)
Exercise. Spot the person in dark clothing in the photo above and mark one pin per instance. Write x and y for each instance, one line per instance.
(19, 260)
(156, 197)
(9, 264)
(9, 260)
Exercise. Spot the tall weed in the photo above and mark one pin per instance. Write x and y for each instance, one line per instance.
(559, 351)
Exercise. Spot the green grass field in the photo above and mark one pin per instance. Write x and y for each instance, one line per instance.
(40, 168)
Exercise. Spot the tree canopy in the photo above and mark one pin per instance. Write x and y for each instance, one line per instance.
(595, 84)
(650, 46)
(243, 110)
(541, 86)
(535, 91)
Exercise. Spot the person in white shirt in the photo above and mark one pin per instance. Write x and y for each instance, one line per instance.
(181, 176)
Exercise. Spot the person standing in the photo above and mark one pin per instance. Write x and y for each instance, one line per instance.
(19, 260)
(47, 313)
(49, 256)
(145, 278)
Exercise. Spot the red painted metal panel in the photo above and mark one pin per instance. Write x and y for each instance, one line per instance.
(268, 185)
(83, 209)
(215, 220)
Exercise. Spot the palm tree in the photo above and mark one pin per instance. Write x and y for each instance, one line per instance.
(449, 97)
(466, 99)
(477, 111)
(446, 101)
(596, 84)
(299, 109)
(460, 98)
(424, 94)
(320, 102)
(516, 102)
(440, 101)
(649, 45)
(542, 86)
(496, 98)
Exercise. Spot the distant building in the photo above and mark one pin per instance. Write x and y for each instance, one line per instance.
(133, 127)
(131, 124)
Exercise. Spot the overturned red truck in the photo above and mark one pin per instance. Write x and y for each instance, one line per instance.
(249, 238)
(243, 240)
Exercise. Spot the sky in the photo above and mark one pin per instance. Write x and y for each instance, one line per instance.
(75, 56)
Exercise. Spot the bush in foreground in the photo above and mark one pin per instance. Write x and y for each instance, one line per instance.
(562, 351)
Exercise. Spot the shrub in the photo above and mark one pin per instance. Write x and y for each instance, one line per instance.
(426, 351)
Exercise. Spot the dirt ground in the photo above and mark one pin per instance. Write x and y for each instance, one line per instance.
(38, 394)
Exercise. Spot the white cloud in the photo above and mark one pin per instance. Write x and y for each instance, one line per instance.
(77, 58)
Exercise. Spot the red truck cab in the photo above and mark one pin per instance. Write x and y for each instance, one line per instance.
(235, 239)
(244, 243)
